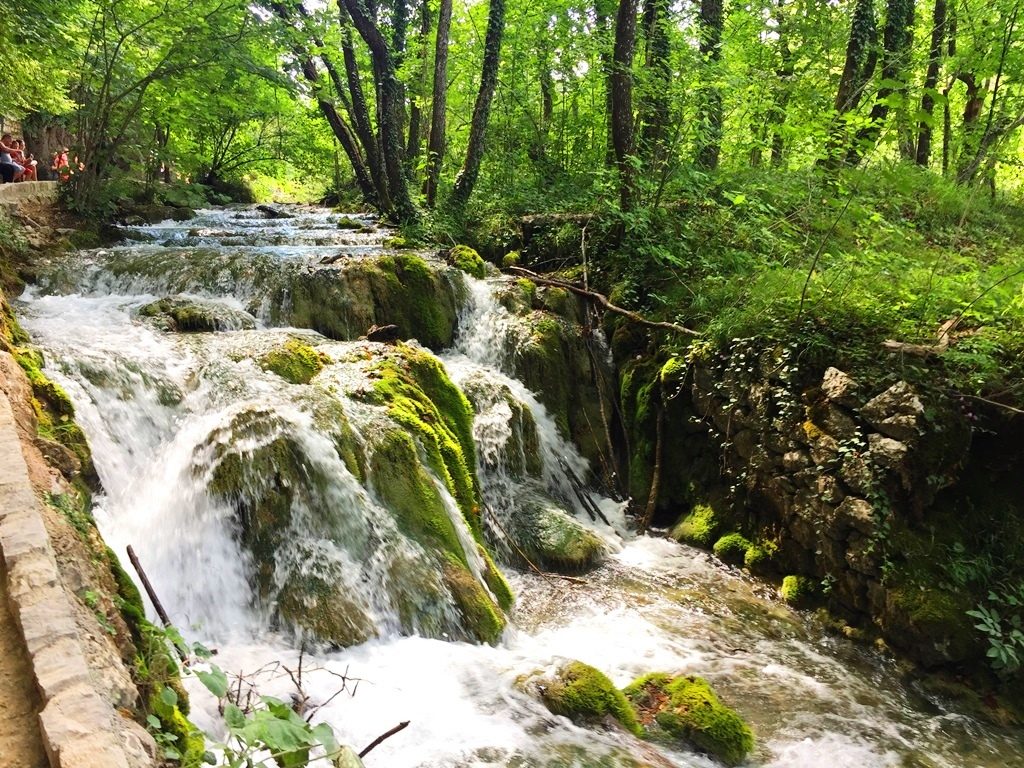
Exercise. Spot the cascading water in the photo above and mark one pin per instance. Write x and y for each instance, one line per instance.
(168, 415)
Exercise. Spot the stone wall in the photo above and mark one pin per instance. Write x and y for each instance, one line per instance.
(841, 475)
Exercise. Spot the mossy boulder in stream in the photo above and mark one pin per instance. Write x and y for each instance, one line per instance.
(294, 361)
(344, 299)
(550, 536)
(585, 695)
(191, 316)
(468, 260)
(686, 708)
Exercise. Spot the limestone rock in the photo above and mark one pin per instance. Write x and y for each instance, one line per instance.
(896, 412)
(886, 452)
(857, 514)
(840, 388)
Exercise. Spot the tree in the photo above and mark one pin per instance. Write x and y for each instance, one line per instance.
(467, 177)
(620, 86)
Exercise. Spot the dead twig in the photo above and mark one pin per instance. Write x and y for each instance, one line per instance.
(603, 301)
(386, 735)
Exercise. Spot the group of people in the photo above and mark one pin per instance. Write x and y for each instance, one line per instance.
(17, 163)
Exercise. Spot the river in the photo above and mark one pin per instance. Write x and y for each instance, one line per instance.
(149, 401)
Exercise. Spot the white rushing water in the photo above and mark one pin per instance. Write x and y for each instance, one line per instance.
(150, 401)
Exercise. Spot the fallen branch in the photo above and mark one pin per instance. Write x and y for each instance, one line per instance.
(148, 587)
(603, 301)
(581, 493)
(386, 735)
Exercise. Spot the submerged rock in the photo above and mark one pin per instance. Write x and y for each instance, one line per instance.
(686, 708)
(551, 537)
(193, 316)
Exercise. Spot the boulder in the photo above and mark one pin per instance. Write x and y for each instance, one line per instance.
(687, 709)
(585, 695)
(897, 412)
(196, 316)
(840, 388)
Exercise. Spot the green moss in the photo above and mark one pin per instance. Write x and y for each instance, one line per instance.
(673, 370)
(550, 537)
(918, 615)
(347, 222)
(188, 740)
(420, 396)
(475, 605)
(397, 243)
(511, 259)
(698, 528)
(798, 590)
(687, 708)
(468, 260)
(585, 694)
(409, 493)
(732, 548)
(294, 361)
(760, 557)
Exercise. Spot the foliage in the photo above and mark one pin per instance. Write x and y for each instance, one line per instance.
(1001, 621)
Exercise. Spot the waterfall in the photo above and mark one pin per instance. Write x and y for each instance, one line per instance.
(195, 443)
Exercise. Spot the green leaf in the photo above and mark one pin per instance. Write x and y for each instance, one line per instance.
(215, 680)
(324, 734)
(154, 722)
(234, 718)
(168, 696)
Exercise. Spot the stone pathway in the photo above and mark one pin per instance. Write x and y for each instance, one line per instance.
(21, 745)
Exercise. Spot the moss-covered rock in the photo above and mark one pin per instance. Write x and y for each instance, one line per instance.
(686, 708)
(468, 260)
(294, 361)
(405, 488)
(55, 419)
(550, 536)
(798, 591)
(191, 316)
(188, 742)
(586, 695)
(342, 301)
(732, 548)
(932, 622)
(698, 528)
(760, 557)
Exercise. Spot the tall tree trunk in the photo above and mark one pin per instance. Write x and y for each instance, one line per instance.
(339, 127)
(412, 149)
(603, 12)
(896, 41)
(859, 66)
(466, 179)
(654, 109)
(439, 103)
(621, 90)
(709, 136)
(931, 82)
(784, 73)
(391, 109)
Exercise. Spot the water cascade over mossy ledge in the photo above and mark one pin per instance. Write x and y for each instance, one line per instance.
(245, 474)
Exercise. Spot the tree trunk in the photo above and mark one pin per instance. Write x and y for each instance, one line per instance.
(391, 109)
(654, 110)
(439, 103)
(777, 116)
(896, 43)
(466, 179)
(412, 149)
(858, 68)
(621, 89)
(931, 82)
(709, 136)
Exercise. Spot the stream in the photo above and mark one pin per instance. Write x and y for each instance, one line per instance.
(150, 400)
